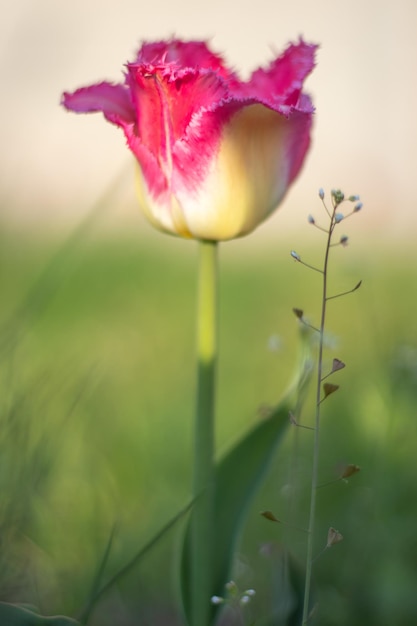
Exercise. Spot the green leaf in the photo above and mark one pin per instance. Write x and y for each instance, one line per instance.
(238, 476)
(14, 615)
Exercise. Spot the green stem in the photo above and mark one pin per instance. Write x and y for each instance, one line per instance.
(203, 486)
(314, 477)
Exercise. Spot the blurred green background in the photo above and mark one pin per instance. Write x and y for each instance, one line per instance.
(97, 393)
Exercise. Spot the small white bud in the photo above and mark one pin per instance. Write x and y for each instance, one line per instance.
(216, 600)
(321, 193)
(338, 217)
(250, 592)
(295, 255)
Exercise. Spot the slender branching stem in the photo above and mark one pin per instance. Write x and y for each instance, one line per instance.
(311, 267)
(326, 389)
(314, 477)
(202, 543)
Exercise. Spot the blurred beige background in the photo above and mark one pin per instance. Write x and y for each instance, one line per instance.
(54, 165)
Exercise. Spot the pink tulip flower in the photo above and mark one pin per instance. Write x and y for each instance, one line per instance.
(216, 155)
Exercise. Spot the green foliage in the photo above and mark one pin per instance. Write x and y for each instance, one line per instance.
(96, 423)
(13, 615)
(99, 589)
(238, 476)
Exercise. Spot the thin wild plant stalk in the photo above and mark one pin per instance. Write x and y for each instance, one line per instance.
(323, 390)
(314, 477)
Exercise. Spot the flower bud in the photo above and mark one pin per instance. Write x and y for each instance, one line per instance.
(217, 600)
(216, 155)
(338, 196)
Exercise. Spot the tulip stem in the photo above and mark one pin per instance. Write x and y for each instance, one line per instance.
(203, 480)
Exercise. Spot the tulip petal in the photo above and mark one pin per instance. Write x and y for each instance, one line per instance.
(261, 153)
(112, 100)
(183, 54)
(177, 132)
(280, 84)
(167, 102)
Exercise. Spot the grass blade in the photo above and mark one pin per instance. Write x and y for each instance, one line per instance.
(14, 615)
(133, 562)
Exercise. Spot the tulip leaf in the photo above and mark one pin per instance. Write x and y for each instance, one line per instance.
(15, 615)
(238, 476)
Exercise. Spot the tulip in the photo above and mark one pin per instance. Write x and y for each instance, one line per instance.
(216, 154)
(215, 157)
